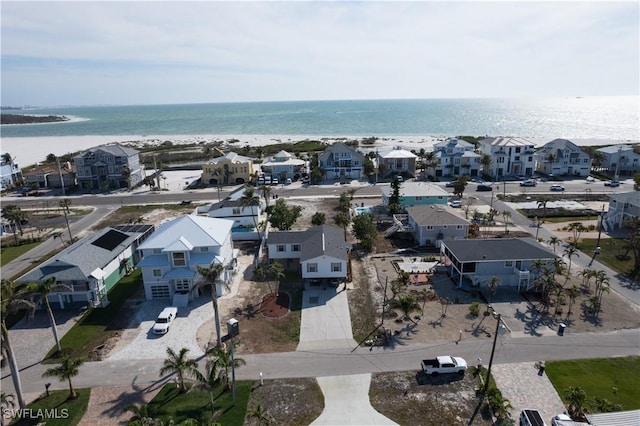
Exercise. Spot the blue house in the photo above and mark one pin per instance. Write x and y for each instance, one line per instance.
(416, 194)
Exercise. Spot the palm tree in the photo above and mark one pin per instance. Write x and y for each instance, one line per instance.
(493, 284)
(42, 290)
(573, 293)
(602, 286)
(207, 382)
(250, 199)
(266, 194)
(506, 215)
(142, 415)
(15, 216)
(126, 173)
(486, 162)
(500, 405)
(570, 252)
(179, 363)
(69, 369)
(259, 413)
(543, 203)
(342, 219)
(13, 300)
(554, 241)
(407, 304)
(276, 270)
(64, 204)
(222, 358)
(576, 396)
(211, 275)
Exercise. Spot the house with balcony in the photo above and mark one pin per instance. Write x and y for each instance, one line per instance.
(231, 168)
(248, 220)
(621, 160)
(92, 266)
(511, 156)
(430, 225)
(455, 157)
(397, 161)
(622, 206)
(10, 173)
(172, 255)
(283, 166)
(320, 252)
(341, 161)
(108, 167)
(416, 194)
(561, 157)
(50, 176)
(473, 263)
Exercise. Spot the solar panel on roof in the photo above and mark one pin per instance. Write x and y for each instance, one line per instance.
(110, 240)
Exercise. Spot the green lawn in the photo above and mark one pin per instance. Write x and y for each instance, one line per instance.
(57, 410)
(610, 248)
(559, 219)
(7, 254)
(615, 379)
(169, 403)
(95, 327)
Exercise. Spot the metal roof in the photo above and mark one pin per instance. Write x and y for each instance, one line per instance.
(487, 250)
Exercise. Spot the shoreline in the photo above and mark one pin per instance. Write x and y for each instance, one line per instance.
(30, 150)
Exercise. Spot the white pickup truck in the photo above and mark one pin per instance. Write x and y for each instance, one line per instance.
(164, 320)
(444, 364)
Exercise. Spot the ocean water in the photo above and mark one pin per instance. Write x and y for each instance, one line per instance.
(603, 118)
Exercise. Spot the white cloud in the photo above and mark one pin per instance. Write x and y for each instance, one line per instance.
(165, 52)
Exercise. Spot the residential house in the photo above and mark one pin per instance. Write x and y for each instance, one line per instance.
(92, 266)
(475, 262)
(619, 160)
(108, 167)
(342, 161)
(247, 219)
(397, 161)
(455, 157)
(10, 174)
(622, 206)
(416, 194)
(321, 251)
(231, 168)
(561, 157)
(430, 225)
(511, 156)
(283, 166)
(172, 255)
(50, 176)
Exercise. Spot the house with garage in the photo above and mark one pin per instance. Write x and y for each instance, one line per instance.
(230, 168)
(247, 218)
(283, 166)
(622, 206)
(561, 157)
(473, 263)
(511, 156)
(92, 266)
(110, 166)
(321, 251)
(50, 176)
(10, 173)
(172, 255)
(455, 157)
(430, 225)
(621, 160)
(341, 161)
(416, 194)
(397, 161)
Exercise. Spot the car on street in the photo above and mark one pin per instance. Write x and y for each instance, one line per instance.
(484, 188)
(450, 184)
(185, 203)
(528, 182)
(556, 188)
(444, 364)
(612, 183)
(164, 320)
(455, 203)
(590, 179)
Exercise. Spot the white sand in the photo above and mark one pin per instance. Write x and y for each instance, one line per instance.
(29, 150)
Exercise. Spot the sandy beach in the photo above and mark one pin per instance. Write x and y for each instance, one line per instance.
(29, 150)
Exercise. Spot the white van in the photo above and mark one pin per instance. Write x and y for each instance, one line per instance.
(531, 418)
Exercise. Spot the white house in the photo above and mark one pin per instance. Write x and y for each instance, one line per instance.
(455, 157)
(511, 156)
(172, 255)
(321, 251)
(10, 173)
(619, 160)
(283, 166)
(397, 161)
(622, 206)
(247, 219)
(430, 225)
(561, 157)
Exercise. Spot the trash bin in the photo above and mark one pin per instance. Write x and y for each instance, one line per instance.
(561, 328)
(233, 328)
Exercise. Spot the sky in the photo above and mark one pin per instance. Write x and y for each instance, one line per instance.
(141, 52)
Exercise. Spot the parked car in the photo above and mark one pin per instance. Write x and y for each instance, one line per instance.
(590, 179)
(531, 418)
(444, 364)
(484, 188)
(455, 203)
(612, 183)
(164, 320)
(450, 184)
(185, 203)
(528, 182)
(334, 282)
(556, 188)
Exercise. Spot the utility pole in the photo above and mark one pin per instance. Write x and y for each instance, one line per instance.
(493, 350)
(155, 166)
(61, 179)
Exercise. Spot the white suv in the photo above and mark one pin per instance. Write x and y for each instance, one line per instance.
(164, 320)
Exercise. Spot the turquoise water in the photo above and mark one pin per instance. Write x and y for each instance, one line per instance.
(614, 118)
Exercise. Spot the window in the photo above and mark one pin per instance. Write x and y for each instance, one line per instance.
(157, 273)
(236, 210)
(179, 259)
(445, 226)
(459, 227)
(183, 285)
(418, 198)
(157, 251)
(295, 247)
(508, 264)
(530, 159)
(281, 248)
(517, 150)
(517, 158)
(312, 267)
(204, 249)
(429, 227)
(336, 267)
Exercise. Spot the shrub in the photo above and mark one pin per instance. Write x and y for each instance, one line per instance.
(474, 309)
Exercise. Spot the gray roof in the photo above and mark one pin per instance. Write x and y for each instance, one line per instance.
(85, 256)
(614, 149)
(114, 149)
(317, 241)
(618, 418)
(435, 215)
(498, 249)
(506, 141)
(339, 147)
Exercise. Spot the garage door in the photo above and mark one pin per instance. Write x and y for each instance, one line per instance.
(159, 291)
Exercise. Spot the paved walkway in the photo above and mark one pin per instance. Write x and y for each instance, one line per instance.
(524, 387)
